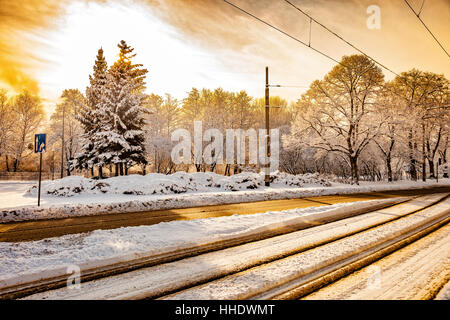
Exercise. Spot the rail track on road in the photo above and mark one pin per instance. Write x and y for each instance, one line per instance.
(285, 262)
(300, 274)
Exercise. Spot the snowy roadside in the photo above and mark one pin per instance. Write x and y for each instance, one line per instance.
(33, 260)
(127, 196)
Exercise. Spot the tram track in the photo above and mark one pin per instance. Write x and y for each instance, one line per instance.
(116, 288)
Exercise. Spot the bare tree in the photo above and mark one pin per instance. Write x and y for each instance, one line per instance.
(7, 121)
(66, 113)
(420, 92)
(29, 114)
(337, 111)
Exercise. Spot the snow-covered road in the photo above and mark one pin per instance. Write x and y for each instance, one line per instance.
(444, 293)
(413, 273)
(279, 277)
(235, 262)
(29, 261)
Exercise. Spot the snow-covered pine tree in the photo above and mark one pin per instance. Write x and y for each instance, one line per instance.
(121, 139)
(90, 115)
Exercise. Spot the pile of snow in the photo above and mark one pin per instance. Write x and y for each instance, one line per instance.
(179, 182)
(300, 180)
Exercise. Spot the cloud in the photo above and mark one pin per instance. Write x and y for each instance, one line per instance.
(239, 42)
(20, 25)
(401, 44)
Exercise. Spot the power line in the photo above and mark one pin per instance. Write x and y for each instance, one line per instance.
(281, 31)
(283, 86)
(318, 51)
(304, 43)
(340, 37)
(418, 17)
(421, 7)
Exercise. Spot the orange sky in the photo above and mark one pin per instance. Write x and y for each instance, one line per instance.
(49, 45)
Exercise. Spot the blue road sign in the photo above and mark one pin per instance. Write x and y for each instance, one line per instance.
(40, 142)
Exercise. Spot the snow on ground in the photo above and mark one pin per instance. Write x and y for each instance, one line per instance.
(22, 260)
(13, 194)
(411, 273)
(444, 293)
(256, 283)
(78, 196)
(160, 279)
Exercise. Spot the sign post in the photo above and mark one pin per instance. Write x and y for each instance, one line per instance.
(39, 147)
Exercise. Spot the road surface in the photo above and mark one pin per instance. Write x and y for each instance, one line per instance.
(293, 264)
(415, 272)
(37, 230)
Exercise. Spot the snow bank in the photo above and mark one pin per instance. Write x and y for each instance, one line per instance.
(179, 182)
(210, 189)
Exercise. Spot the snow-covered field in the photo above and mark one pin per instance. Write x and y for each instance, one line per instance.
(28, 260)
(78, 196)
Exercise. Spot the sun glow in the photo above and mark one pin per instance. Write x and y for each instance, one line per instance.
(50, 45)
(165, 53)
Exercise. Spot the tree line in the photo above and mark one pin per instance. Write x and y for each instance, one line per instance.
(352, 124)
(20, 117)
(355, 117)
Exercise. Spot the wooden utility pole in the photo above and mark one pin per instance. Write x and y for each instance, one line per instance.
(424, 177)
(267, 165)
(62, 141)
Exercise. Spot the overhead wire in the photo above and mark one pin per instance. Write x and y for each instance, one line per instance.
(338, 36)
(281, 31)
(309, 45)
(426, 27)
